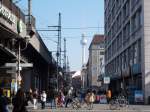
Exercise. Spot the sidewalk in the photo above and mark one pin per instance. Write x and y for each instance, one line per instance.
(97, 108)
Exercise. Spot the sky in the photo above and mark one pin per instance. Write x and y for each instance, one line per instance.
(80, 14)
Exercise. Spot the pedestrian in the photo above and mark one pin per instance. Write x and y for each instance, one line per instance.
(43, 99)
(62, 98)
(82, 96)
(69, 96)
(29, 96)
(3, 102)
(19, 102)
(108, 94)
(52, 99)
(35, 97)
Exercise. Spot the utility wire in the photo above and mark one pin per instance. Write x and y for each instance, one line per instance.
(17, 1)
(71, 28)
(47, 37)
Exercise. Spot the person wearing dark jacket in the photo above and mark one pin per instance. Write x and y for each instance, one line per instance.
(19, 102)
(3, 102)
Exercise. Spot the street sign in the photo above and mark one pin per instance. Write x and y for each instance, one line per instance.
(106, 80)
(11, 71)
(21, 64)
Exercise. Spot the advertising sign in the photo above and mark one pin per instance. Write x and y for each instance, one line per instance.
(6, 13)
(138, 96)
(103, 99)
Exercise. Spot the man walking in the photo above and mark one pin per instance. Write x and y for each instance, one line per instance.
(43, 99)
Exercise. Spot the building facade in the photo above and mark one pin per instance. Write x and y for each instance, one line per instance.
(96, 60)
(17, 51)
(127, 45)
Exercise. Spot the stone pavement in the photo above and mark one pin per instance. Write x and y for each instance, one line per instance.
(97, 108)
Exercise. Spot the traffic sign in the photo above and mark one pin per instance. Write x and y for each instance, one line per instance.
(21, 64)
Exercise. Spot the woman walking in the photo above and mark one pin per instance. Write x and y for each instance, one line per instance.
(35, 99)
(19, 102)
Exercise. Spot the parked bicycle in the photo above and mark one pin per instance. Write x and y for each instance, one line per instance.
(76, 103)
(88, 102)
(118, 103)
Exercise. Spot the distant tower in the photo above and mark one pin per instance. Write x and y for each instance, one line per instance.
(83, 43)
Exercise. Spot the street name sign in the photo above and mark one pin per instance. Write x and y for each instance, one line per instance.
(106, 80)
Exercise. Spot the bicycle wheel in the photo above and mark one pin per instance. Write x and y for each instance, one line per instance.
(89, 106)
(113, 105)
(74, 106)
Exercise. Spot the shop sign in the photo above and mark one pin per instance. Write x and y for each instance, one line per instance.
(19, 26)
(7, 14)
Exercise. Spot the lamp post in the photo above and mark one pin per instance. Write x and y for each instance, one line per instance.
(18, 75)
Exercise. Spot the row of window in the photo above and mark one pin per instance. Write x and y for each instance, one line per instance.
(122, 39)
(113, 8)
(113, 15)
(130, 56)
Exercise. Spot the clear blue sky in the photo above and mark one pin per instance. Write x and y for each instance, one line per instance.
(75, 14)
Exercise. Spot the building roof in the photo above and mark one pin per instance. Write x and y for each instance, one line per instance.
(97, 39)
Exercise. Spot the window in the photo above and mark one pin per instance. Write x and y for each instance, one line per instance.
(131, 55)
(102, 53)
(134, 23)
(139, 18)
(126, 10)
(133, 3)
(135, 51)
(139, 51)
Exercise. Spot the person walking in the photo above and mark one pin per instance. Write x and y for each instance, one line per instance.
(35, 97)
(52, 95)
(69, 96)
(19, 102)
(3, 102)
(108, 94)
(43, 99)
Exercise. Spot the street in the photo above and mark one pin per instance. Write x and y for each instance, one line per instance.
(97, 108)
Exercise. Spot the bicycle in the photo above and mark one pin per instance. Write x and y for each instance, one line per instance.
(118, 103)
(76, 103)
